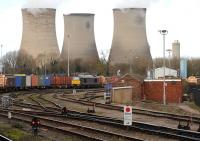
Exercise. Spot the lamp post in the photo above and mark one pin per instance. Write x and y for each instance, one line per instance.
(68, 36)
(1, 60)
(164, 33)
(169, 53)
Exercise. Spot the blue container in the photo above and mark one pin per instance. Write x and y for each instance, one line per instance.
(108, 86)
(20, 81)
(44, 81)
(47, 81)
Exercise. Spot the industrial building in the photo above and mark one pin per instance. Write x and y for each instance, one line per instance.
(129, 44)
(176, 49)
(159, 73)
(133, 80)
(39, 34)
(79, 38)
(153, 90)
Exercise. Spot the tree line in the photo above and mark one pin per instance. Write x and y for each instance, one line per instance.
(193, 65)
(18, 62)
(15, 62)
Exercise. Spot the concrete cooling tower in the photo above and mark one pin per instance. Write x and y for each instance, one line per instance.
(129, 40)
(79, 37)
(39, 34)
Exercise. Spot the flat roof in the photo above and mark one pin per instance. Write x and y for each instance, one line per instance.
(154, 80)
(126, 87)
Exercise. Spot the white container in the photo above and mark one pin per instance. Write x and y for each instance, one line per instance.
(28, 81)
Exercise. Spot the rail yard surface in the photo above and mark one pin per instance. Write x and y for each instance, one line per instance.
(151, 121)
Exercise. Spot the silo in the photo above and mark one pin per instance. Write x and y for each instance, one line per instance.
(79, 38)
(129, 45)
(39, 34)
(183, 68)
(176, 49)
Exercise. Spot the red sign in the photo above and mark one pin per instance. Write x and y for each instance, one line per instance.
(128, 109)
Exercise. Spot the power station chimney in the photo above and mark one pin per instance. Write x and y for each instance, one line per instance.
(79, 38)
(39, 34)
(129, 45)
(176, 49)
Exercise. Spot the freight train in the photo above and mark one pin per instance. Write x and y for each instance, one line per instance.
(22, 81)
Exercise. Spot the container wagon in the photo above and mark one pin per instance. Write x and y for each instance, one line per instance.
(20, 81)
(45, 81)
(34, 81)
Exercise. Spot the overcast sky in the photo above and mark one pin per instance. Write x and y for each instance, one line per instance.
(180, 17)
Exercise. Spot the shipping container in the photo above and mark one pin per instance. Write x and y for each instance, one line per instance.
(44, 81)
(20, 80)
(68, 81)
(40, 81)
(34, 81)
(10, 81)
(60, 81)
(28, 81)
(2, 81)
(47, 81)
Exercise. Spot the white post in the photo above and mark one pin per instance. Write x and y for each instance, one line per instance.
(9, 115)
(164, 32)
(164, 93)
(1, 60)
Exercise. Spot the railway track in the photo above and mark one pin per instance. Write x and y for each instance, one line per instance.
(83, 131)
(138, 126)
(146, 112)
(143, 127)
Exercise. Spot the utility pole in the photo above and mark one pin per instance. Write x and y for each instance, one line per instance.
(1, 60)
(164, 33)
(169, 53)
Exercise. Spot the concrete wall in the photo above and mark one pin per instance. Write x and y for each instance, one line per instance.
(122, 95)
(39, 34)
(79, 36)
(129, 40)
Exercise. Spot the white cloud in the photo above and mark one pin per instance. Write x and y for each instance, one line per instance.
(10, 29)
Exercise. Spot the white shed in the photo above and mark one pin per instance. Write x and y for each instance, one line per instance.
(159, 72)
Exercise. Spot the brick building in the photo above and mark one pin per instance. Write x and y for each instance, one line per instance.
(136, 81)
(153, 90)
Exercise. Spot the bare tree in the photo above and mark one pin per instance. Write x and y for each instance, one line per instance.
(194, 66)
(9, 61)
(25, 63)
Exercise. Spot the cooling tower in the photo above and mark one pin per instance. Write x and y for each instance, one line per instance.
(39, 34)
(79, 38)
(129, 40)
